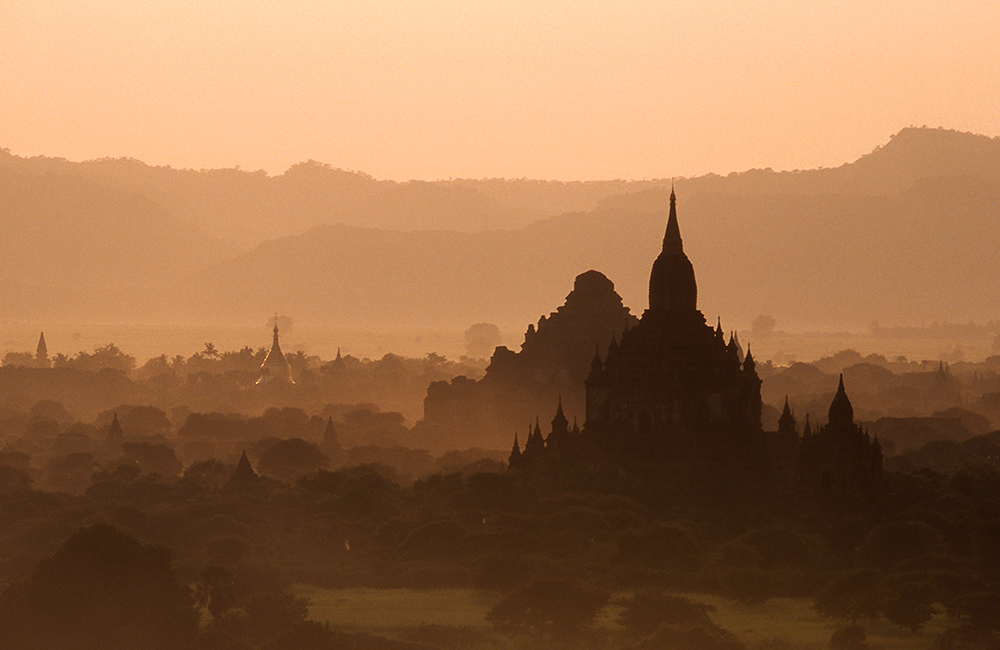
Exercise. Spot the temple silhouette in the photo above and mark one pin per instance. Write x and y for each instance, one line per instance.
(275, 368)
(674, 403)
(673, 389)
(551, 366)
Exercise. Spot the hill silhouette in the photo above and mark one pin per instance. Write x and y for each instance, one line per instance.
(904, 234)
(246, 208)
(75, 247)
(839, 260)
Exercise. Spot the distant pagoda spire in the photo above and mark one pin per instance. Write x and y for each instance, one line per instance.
(42, 352)
(330, 434)
(275, 366)
(115, 433)
(243, 474)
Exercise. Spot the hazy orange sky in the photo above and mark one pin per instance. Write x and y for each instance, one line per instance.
(543, 89)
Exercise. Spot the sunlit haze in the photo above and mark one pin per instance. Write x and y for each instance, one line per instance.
(439, 89)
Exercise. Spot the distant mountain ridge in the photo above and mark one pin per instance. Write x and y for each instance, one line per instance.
(246, 208)
(67, 242)
(905, 234)
(841, 261)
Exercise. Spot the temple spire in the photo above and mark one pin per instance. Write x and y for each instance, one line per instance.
(115, 433)
(560, 424)
(243, 475)
(275, 366)
(515, 453)
(672, 287)
(42, 352)
(672, 238)
(786, 423)
(841, 412)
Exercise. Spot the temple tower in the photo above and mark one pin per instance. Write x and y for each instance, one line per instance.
(275, 366)
(840, 459)
(671, 390)
(42, 353)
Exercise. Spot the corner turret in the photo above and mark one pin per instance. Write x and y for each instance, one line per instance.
(515, 453)
(786, 423)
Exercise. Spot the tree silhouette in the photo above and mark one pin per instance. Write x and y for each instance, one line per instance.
(852, 595)
(289, 459)
(558, 608)
(101, 589)
(214, 591)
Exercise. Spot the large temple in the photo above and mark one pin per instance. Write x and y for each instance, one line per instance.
(673, 389)
(673, 400)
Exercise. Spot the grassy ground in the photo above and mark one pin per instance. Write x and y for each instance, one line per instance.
(383, 609)
(792, 622)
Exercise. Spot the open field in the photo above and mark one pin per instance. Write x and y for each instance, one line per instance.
(778, 623)
(383, 609)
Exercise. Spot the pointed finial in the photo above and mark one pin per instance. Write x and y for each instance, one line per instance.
(672, 237)
(840, 387)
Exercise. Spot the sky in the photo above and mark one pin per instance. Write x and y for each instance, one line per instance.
(548, 89)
